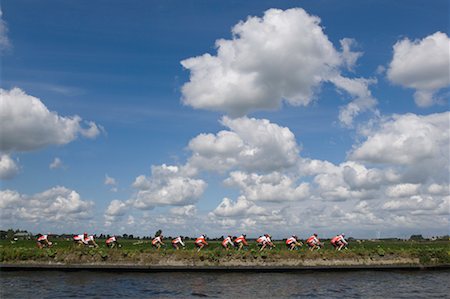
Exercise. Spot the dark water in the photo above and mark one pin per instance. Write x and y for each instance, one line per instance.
(358, 284)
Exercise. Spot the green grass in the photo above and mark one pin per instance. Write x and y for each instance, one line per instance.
(428, 252)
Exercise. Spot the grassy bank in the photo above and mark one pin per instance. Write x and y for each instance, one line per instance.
(138, 252)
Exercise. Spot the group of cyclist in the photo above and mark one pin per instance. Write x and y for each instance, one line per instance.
(263, 242)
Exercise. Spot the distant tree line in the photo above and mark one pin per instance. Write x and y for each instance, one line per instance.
(10, 234)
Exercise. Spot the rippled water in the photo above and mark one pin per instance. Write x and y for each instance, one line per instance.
(367, 284)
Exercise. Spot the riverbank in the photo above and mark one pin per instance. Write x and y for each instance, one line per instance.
(246, 261)
(139, 256)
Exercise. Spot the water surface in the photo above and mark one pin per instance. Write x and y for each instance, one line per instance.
(352, 284)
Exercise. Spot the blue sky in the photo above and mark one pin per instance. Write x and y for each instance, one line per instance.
(117, 65)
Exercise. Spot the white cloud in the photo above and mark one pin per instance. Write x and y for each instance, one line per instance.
(402, 190)
(343, 182)
(422, 65)
(406, 140)
(246, 217)
(252, 144)
(28, 125)
(186, 211)
(168, 185)
(273, 187)
(115, 211)
(116, 208)
(437, 189)
(110, 181)
(8, 167)
(57, 163)
(142, 183)
(349, 57)
(55, 205)
(359, 89)
(240, 207)
(5, 44)
(215, 152)
(283, 56)
(358, 177)
(92, 131)
(311, 167)
(415, 203)
(412, 161)
(365, 193)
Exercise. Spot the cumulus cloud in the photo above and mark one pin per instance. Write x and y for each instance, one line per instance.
(402, 190)
(359, 89)
(437, 189)
(240, 207)
(168, 185)
(187, 211)
(56, 163)
(411, 168)
(92, 130)
(411, 160)
(28, 125)
(349, 57)
(4, 40)
(115, 211)
(116, 208)
(283, 56)
(251, 144)
(406, 140)
(273, 187)
(279, 189)
(422, 65)
(8, 167)
(58, 204)
(345, 181)
(332, 186)
(358, 176)
(245, 215)
(417, 204)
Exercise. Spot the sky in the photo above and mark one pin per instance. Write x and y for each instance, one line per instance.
(225, 117)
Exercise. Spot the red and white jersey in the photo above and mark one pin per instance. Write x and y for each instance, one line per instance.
(78, 238)
(178, 240)
(42, 238)
(312, 240)
(156, 240)
(227, 241)
(240, 239)
(338, 239)
(111, 240)
(200, 240)
(341, 239)
(291, 240)
(263, 240)
(83, 239)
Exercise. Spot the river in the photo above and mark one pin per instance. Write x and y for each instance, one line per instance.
(309, 284)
